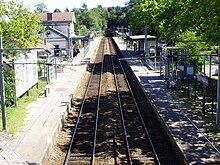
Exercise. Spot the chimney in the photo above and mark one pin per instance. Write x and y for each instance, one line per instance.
(49, 16)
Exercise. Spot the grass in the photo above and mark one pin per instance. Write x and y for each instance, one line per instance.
(15, 115)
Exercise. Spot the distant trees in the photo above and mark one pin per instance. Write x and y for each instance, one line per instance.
(100, 19)
(93, 20)
(57, 10)
(41, 8)
(66, 9)
(84, 7)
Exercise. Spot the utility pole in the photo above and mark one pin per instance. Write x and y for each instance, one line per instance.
(2, 88)
(146, 52)
(218, 90)
(68, 44)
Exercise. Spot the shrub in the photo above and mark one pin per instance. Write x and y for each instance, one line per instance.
(9, 82)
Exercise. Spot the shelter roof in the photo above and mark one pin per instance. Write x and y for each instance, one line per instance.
(141, 37)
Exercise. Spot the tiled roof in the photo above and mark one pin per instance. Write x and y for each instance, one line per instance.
(43, 45)
(57, 16)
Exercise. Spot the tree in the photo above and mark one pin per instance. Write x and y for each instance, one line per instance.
(118, 16)
(66, 9)
(19, 27)
(99, 6)
(175, 20)
(94, 19)
(173, 17)
(41, 8)
(57, 10)
(84, 7)
(77, 11)
(143, 15)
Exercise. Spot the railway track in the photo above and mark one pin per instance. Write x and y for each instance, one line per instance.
(81, 150)
(115, 124)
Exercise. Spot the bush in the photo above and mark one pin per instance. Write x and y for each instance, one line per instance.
(9, 82)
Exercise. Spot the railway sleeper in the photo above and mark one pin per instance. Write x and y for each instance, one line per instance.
(78, 159)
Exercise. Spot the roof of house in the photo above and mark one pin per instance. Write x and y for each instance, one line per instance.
(61, 34)
(44, 45)
(58, 16)
(65, 36)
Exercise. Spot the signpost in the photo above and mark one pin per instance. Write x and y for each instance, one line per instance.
(218, 90)
(2, 88)
(205, 83)
(146, 52)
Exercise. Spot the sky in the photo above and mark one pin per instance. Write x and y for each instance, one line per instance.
(62, 4)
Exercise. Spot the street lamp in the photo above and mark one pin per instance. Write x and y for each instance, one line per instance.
(146, 51)
(218, 90)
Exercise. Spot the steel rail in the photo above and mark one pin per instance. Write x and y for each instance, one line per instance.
(122, 117)
(79, 116)
(140, 115)
(97, 112)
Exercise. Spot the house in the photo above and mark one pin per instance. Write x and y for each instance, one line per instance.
(59, 29)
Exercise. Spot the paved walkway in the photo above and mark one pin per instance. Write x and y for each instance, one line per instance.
(33, 143)
(194, 143)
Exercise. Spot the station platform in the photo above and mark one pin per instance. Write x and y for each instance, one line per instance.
(33, 143)
(191, 139)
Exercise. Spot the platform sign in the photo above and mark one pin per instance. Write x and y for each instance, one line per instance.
(190, 70)
(180, 67)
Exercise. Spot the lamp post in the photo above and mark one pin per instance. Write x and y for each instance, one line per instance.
(68, 43)
(2, 88)
(146, 52)
(218, 90)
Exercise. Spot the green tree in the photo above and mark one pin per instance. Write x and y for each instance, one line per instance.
(172, 17)
(118, 16)
(84, 7)
(9, 82)
(19, 27)
(76, 11)
(143, 15)
(66, 9)
(94, 19)
(41, 8)
(57, 10)
(176, 20)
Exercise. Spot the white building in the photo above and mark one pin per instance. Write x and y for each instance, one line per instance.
(59, 29)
